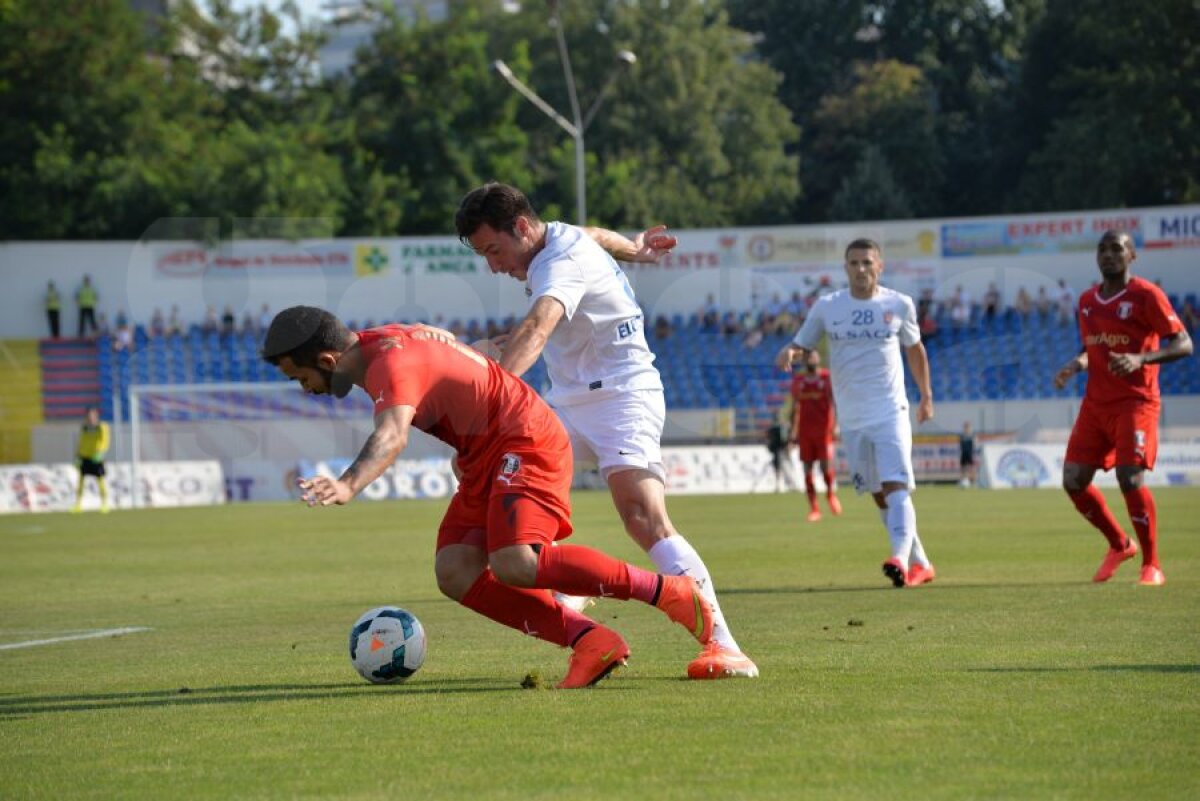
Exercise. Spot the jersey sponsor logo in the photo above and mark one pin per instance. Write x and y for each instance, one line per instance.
(510, 464)
(627, 328)
(1125, 309)
(1107, 339)
(380, 398)
(878, 333)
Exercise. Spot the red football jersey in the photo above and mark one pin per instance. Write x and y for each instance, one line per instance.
(461, 397)
(1131, 321)
(813, 394)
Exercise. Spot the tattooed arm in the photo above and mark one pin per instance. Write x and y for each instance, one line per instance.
(379, 451)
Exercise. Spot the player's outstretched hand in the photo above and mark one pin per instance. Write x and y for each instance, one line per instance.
(787, 357)
(652, 244)
(322, 491)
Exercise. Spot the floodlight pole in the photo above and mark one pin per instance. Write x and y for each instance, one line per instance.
(578, 123)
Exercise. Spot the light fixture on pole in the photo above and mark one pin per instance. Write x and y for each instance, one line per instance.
(578, 123)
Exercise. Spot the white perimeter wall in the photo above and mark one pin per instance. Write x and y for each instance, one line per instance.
(424, 278)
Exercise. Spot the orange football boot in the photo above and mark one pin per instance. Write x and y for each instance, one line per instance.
(594, 656)
(1113, 560)
(1152, 576)
(920, 574)
(718, 662)
(680, 598)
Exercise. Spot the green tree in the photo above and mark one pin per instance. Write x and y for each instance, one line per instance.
(77, 98)
(693, 134)
(429, 121)
(888, 106)
(1108, 106)
(870, 192)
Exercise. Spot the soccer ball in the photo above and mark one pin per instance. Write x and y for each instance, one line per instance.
(387, 645)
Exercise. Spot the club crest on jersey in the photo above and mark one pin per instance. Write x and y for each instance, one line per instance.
(1125, 309)
(887, 318)
(510, 463)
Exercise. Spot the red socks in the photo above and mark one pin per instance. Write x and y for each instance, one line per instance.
(1090, 503)
(532, 612)
(578, 570)
(1140, 504)
(810, 489)
(828, 474)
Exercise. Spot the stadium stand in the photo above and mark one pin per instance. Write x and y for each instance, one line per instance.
(1003, 357)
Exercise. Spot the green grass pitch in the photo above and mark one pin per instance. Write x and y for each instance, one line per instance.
(1011, 677)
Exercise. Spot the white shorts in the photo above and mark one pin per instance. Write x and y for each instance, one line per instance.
(619, 433)
(880, 453)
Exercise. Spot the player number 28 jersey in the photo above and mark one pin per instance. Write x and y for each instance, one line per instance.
(865, 337)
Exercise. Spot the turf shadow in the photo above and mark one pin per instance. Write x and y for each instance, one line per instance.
(18, 706)
(1098, 668)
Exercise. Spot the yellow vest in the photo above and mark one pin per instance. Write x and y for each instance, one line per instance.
(93, 441)
(53, 300)
(86, 297)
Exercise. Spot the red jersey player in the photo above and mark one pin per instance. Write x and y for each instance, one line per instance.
(1121, 322)
(813, 422)
(493, 546)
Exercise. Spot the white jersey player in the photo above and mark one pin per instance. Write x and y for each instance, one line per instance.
(585, 320)
(867, 325)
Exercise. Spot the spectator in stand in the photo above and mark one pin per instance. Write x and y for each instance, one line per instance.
(264, 318)
(158, 323)
(925, 305)
(823, 288)
(53, 308)
(730, 325)
(771, 314)
(1023, 304)
(792, 315)
(1043, 303)
(662, 327)
(123, 335)
(212, 323)
(960, 307)
(249, 327)
(228, 321)
(710, 315)
(475, 332)
(1066, 303)
(86, 299)
(991, 302)
(102, 329)
(174, 323)
(1188, 314)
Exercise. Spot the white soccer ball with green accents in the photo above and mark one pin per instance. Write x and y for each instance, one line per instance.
(387, 645)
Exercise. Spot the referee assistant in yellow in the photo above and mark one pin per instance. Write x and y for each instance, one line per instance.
(93, 445)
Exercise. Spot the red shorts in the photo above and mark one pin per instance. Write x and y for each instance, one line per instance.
(816, 448)
(527, 501)
(1124, 435)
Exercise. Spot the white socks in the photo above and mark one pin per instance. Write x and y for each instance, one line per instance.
(675, 556)
(900, 518)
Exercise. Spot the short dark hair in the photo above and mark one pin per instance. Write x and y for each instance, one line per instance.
(302, 332)
(494, 204)
(863, 244)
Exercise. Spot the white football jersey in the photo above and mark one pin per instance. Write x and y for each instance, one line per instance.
(598, 348)
(865, 337)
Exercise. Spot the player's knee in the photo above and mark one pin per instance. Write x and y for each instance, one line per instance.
(1130, 478)
(515, 565)
(454, 580)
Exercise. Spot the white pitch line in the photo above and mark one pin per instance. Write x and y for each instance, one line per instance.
(92, 635)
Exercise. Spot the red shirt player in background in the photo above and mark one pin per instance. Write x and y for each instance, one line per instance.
(513, 502)
(1121, 322)
(813, 422)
